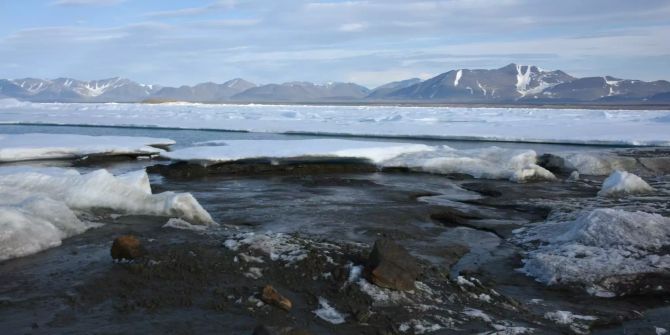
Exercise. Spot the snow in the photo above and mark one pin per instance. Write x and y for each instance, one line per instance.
(248, 149)
(21, 147)
(598, 244)
(39, 207)
(574, 321)
(328, 313)
(277, 246)
(459, 74)
(177, 223)
(522, 78)
(596, 163)
(478, 314)
(488, 163)
(622, 182)
(593, 126)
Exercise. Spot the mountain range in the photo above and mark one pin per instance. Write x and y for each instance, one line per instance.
(511, 84)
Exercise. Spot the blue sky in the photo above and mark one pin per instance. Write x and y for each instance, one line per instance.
(370, 42)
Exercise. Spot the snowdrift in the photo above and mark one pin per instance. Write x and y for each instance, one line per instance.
(39, 206)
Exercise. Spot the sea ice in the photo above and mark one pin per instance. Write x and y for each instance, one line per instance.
(599, 244)
(248, 149)
(21, 147)
(584, 126)
(621, 183)
(39, 206)
(489, 163)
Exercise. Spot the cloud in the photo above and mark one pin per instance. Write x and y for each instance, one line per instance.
(86, 2)
(368, 41)
(352, 27)
(192, 11)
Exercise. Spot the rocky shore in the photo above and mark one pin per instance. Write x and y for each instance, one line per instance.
(333, 247)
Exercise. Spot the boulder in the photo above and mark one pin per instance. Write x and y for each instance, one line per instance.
(271, 296)
(126, 247)
(391, 266)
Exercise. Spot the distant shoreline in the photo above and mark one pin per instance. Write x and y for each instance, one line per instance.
(393, 104)
(434, 104)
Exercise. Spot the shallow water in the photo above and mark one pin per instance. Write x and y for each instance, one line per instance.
(188, 137)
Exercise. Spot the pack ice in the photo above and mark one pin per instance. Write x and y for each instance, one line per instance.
(585, 126)
(608, 252)
(21, 147)
(39, 207)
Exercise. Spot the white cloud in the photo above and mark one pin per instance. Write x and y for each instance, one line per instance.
(352, 27)
(86, 2)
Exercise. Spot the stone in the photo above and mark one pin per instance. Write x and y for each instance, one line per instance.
(391, 266)
(271, 296)
(454, 253)
(126, 247)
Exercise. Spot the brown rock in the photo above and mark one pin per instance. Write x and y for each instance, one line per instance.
(126, 247)
(391, 266)
(270, 296)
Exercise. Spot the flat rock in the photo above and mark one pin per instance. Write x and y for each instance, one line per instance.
(391, 266)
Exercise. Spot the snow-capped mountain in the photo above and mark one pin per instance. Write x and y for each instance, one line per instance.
(72, 90)
(511, 84)
(606, 89)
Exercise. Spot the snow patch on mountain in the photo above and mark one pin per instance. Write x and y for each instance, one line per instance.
(459, 74)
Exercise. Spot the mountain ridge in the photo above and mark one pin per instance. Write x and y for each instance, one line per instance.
(510, 84)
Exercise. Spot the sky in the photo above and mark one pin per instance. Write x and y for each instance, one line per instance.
(370, 42)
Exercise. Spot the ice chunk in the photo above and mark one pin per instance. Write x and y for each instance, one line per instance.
(622, 182)
(328, 313)
(138, 179)
(21, 147)
(486, 163)
(600, 244)
(596, 163)
(35, 224)
(38, 207)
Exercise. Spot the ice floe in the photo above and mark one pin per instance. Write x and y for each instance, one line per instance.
(600, 251)
(233, 150)
(489, 163)
(622, 183)
(40, 206)
(21, 147)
